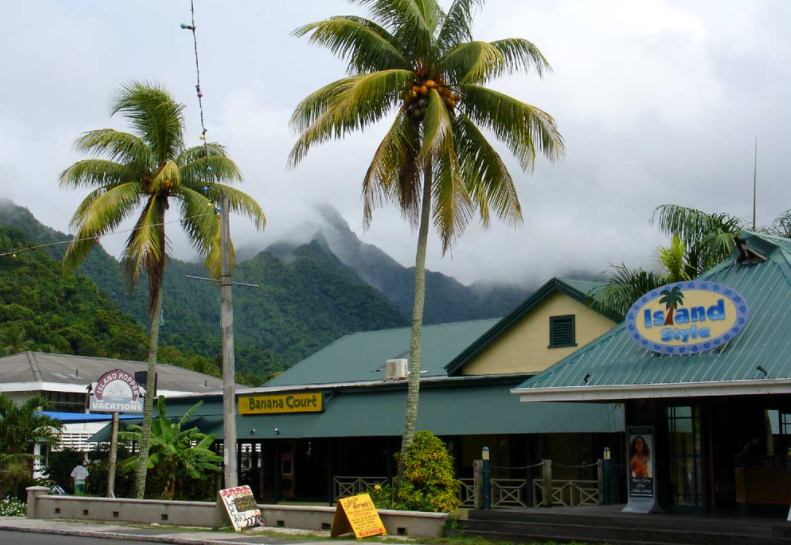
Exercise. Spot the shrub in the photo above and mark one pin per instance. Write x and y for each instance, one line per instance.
(429, 483)
(12, 507)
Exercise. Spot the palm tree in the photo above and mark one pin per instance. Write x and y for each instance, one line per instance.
(419, 63)
(671, 298)
(21, 426)
(14, 340)
(147, 170)
(709, 238)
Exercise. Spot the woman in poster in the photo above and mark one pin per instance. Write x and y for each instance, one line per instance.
(641, 457)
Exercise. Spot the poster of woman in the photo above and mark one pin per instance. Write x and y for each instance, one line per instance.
(641, 463)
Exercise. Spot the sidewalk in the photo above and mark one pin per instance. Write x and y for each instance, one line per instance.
(168, 534)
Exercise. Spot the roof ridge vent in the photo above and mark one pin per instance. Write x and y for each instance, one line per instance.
(397, 369)
(748, 256)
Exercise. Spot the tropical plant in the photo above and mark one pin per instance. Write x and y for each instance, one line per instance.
(419, 62)
(149, 169)
(13, 340)
(700, 241)
(708, 238)
(178, 456)
(21, 426)
(429, 482)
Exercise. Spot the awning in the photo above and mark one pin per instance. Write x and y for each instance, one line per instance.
(479, 410)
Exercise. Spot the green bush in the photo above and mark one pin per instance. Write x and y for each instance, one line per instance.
(12, 507)
(429, 482)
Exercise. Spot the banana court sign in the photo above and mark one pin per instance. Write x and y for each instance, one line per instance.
(687, 318)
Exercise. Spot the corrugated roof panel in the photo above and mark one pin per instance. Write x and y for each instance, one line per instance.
(363, 356)
(615, 360)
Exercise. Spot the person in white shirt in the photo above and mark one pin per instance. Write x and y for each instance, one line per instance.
(79, 480)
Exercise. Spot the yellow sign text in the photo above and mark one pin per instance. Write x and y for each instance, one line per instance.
(285, 403)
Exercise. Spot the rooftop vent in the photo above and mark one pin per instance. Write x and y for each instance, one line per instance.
(396, 369)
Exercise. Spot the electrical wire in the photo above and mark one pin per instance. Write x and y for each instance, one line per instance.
(70, 240)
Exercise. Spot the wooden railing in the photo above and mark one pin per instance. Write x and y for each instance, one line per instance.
(343, 487)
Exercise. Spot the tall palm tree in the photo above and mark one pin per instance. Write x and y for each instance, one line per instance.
(419, 63)
(672, 299)
(145, 170)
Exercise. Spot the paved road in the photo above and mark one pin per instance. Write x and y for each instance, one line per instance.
(26, 538)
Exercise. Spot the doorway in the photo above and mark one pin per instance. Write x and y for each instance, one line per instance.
(685, 459)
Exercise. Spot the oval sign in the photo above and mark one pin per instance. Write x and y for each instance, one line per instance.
(687, 317)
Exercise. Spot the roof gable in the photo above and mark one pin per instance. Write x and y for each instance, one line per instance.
(614, 362)
(576, 289)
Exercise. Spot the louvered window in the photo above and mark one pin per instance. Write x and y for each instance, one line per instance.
(561, 331)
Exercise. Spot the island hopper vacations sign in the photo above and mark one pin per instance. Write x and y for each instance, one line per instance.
(687, 317)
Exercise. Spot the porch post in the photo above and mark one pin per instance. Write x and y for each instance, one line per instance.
(546, 489)
(487, 488)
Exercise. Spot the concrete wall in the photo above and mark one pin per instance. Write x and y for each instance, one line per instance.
(187, 513)
(524, 348)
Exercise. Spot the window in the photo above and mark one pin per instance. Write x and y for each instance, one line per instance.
(561, 331)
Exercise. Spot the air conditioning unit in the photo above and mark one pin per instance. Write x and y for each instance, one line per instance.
(396, 369)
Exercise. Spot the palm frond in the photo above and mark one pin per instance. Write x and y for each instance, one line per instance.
(96, 172)
(673, 259)
(473, 62)
(116, 146)
(457, 25)
(523, 128)
(239, 203)
(488, 181)
(624, 286)
(98, 214)
(413, 22)
(145, 248)
(781, 226)
(155, 115)
(394, 174)
(347, 105)
(709, 238)
(437, 126)
(198, 218)
(452, 208)
(209, 170)
(195, 153)
(365, 45)
(522, 56)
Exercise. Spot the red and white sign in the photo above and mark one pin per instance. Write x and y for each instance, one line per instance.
(116, 391)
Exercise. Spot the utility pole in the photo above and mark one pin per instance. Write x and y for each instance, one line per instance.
(228, 363)
(755, 179)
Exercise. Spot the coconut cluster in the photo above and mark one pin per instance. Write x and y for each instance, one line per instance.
(416, 98)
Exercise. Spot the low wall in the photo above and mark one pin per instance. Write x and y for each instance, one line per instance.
(201, 514)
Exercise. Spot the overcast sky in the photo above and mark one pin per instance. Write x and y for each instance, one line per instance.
(659, 102)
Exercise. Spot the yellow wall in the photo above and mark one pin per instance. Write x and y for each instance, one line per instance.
(523, 348)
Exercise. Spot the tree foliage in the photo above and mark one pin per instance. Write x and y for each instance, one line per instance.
(413, 59)
(142, 173)
(429, 482)
(179, 458)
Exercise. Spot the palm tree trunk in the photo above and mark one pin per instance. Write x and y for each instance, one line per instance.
(148, 406)
(417, 323)
(669, 318)
(155, 311)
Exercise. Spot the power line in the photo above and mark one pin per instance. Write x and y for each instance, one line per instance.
(70, 240)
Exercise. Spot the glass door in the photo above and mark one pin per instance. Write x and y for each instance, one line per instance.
(687, 492)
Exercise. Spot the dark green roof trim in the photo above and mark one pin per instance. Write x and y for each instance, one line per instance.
(576, 289)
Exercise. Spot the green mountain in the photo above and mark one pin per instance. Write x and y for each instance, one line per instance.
(40, 309)
(304, 301)
(447, 299)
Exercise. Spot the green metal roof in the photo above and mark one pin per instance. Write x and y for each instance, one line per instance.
(614, 361)
(363, 356)
(467, 407)
(576, 289)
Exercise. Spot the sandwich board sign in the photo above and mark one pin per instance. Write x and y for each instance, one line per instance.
(357, 514)
(238, 506)
(116, 391)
